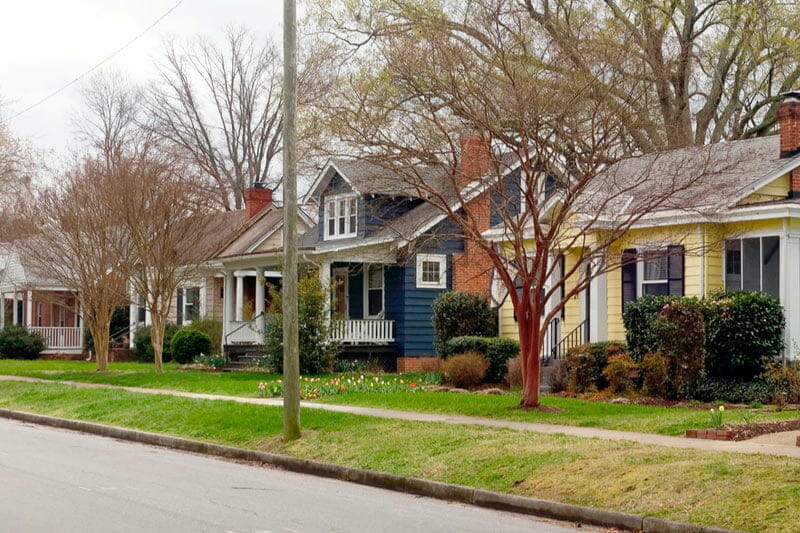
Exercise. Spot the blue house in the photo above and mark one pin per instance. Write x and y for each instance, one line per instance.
(387, 254)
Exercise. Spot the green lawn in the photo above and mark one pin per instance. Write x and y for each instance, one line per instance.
(752, 493)
(664, 421)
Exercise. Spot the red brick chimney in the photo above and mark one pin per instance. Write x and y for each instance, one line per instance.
(789, 128)
(256, 198)
(475, 154)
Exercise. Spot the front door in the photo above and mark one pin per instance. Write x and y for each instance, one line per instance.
(340, 289)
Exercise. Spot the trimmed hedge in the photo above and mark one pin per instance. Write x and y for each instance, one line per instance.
(759, 389)
(16, 342)
(496, 350)
(461, 314)
(744, 333)
(143, 351)
(638, 318)
(187, 344)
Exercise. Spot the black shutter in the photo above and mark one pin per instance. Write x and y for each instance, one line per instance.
(562, 267)
(675, 270)
(179, 306)
(628, 276)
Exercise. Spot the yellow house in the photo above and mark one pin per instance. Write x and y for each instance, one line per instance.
(736, 228)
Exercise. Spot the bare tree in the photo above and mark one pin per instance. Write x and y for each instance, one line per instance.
(676, 73)
(161, 214)
(71, 236)
(19, 164)
(534, 163)
(222, 107)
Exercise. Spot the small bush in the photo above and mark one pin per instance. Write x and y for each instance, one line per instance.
(212, 328)
(461, 314)
(759, 389)
(587, 362)
(16, 342)
(217, 362)
(465, 370)
(786, 378)
(143, 349)
(514, 375)
(497, 352)
(653, 369)
(558, 378)
(639, 317)
(680, 328)
(620, 372)
(187, 344)
(744, 333)
(579, 369)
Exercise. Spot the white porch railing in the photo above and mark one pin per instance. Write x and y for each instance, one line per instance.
(56, 338)
(243, 332)
(363, 331)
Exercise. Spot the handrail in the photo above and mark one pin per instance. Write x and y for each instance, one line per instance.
(243, 325)
(574, 338)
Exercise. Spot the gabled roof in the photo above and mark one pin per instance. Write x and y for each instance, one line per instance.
(706, 179)
(252, 233)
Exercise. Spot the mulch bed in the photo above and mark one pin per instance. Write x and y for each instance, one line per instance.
(749, 431)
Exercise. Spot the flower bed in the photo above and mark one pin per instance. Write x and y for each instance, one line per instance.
(313, 388)
(744, 431)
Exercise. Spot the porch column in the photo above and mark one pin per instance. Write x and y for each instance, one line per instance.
(14, 311)
(203, 311)
(239, 298)
(790, 293)
(260, 299)
(598, 309)
(325, 281)
(28, 308)
(2, 310)
(227, 302)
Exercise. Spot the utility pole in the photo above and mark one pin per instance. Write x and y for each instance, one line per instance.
(291, 339)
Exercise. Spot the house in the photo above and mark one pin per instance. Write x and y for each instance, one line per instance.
(28, 298)
(737, 227)
(383, 250)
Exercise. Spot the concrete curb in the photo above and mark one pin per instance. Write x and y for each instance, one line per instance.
(422, 487)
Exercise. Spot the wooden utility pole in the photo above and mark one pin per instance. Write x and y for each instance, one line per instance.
(291, 340)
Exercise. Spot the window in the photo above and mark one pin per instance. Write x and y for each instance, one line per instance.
(39, 313)
(753, 264)
(341, 217)
(654, 271)
(188, 305)
(373, 288)
(431, 271)
(655, 279)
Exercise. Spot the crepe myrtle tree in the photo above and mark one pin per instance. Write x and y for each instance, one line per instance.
(487, 136)
(70, 234)
(162, 214)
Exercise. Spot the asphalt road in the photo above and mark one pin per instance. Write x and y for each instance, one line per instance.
(54, 480)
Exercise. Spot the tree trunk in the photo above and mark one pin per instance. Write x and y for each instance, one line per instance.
(100, 334)
(531, 370)
(157, 340)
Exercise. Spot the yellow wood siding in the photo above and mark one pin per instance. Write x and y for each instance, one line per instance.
(778, 189)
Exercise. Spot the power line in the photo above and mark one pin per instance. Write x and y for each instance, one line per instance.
(101, 63)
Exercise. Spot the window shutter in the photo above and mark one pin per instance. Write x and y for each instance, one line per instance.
(675, 270)
(628, 276)
(179, 308)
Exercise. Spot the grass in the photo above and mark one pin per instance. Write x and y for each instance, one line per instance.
(752, 493)
(645, 419)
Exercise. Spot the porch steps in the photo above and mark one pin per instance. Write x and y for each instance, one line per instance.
(243, 356)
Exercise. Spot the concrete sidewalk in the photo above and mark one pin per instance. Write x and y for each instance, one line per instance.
(782, 450)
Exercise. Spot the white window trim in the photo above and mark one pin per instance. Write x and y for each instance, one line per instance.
(432, 258)
(366, 290)
(760, 235)
(640, 281)
(184, 290)
(335, 200)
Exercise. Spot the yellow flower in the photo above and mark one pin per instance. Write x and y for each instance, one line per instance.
(721, 407)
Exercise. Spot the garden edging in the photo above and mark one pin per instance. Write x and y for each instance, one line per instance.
(421, 487)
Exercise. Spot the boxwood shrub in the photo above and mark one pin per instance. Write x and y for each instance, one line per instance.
(16, 342)
(638, 318)
(461, 314)
(744, 333)
(497, 352)
(143, 349)
(187, 344)
(758, 389)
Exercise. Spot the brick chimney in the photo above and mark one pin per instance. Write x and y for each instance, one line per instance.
(256, 198)
(789, 128)
(475, 154)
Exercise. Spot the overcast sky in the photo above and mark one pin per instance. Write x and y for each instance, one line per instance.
(48, 43)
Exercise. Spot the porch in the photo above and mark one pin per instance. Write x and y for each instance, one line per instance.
(52, 314)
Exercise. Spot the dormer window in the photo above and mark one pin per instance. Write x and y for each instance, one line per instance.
(341, 215)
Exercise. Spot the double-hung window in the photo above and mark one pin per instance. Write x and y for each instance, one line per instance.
(188, 305)
(655, 277)
(431, 271)
(373, 285)
(753, 264)
(341, 216)
(654, 271)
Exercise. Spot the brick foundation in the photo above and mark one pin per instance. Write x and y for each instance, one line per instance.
(416, 364)
(63, 356)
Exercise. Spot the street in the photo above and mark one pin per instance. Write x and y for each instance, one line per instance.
(54, 480)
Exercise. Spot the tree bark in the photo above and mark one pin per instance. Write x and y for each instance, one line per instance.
(157, 340)
(100, 336)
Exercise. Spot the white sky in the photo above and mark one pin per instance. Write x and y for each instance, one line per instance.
(47, 43)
